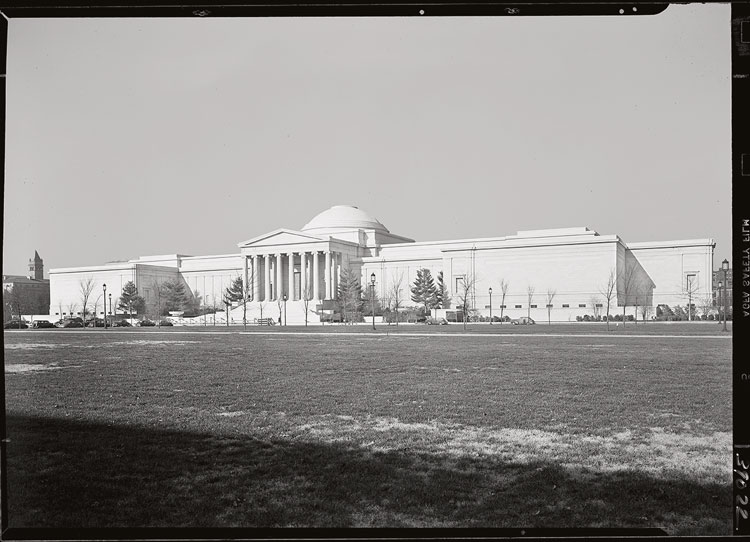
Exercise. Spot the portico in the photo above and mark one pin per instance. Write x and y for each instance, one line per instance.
(300, 266)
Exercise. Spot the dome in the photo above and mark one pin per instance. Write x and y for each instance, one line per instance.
(345, 217)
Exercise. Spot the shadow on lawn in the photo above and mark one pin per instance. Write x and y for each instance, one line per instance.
(64, 473)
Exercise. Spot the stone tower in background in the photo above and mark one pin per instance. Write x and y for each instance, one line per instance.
(36, 267)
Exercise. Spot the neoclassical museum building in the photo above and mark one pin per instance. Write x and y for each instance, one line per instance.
(574, 263)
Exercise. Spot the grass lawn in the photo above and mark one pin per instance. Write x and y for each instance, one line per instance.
(539, 426)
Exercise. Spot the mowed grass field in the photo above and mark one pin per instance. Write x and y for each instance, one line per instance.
(508, 427)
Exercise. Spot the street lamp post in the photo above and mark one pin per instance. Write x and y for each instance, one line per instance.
(110, 306)
(285, 298)
(372, 298)
(104, 286)
(725, 268)
(490, 305)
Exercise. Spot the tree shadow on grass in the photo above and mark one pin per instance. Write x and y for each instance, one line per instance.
(63, 473)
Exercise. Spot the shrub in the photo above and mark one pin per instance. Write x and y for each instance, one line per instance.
(579, 318)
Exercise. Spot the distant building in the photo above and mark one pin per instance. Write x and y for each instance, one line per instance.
(575, 263)
(26, 295)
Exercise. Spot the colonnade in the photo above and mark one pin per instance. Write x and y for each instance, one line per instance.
(264, 280)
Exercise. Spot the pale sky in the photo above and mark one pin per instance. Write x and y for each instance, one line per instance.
(134, 137)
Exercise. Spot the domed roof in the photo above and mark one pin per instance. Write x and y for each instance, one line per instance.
(344, 217)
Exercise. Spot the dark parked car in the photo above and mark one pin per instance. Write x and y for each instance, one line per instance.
(96, 322)
(72, 324)
(335, 317)
(146, 323)
(523, 321)
(165, 323)
(122, 323)
(43, 324)
(15, 324)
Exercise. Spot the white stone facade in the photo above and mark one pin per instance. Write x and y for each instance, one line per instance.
(574, 263)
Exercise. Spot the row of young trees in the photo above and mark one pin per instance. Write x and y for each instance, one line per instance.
(169, 295)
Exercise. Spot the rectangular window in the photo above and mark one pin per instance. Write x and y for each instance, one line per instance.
(57, 314)
(599, 305)
(550, 306)
(533, 306)
(582, 305)
(518, 306)
(503, 307)
(566, 305)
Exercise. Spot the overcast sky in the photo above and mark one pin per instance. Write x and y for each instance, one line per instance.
(131, 137)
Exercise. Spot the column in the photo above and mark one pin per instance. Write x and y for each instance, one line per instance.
(335, 272)
(279, 278)
(256, 278)
(328, 274)
(303, 276)
(316, 276)
(267, 276)
(244, 274)
(290, 286)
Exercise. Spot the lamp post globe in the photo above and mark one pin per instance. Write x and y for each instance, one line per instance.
(490, 305)
(372, 298)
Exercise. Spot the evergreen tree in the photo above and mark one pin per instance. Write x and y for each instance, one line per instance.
(130, 300)
(424, 291)
(236, 292)
(442, 299)
(349, 295)
(233, 292)
(175, 297)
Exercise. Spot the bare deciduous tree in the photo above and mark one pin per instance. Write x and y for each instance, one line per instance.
(594, 300)
(504, 284)
(307, 293)
(530, 297)
(96, 306)
(628, 286)
(395, 294)
(706, 302)
(689, 292)
(608, 292)
(550, 296)
(86, 287)
(465, 292)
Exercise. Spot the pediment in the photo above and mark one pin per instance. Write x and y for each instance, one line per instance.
(281, 237)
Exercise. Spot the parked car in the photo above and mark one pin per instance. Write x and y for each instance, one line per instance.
(43, 324)
(146, 323)
(95, 322)
(437, 322)
(165, 323)
(15, 324)
(122, 323)
(523, 321)
(335, 317)
(71, 324)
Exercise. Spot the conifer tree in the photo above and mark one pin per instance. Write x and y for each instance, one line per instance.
(442, 299)
(237, 292)
(174, 295)
(349, 295)
(130, 300)
(423, 291)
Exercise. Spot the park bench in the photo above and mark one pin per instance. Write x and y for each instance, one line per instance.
(264, 321)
